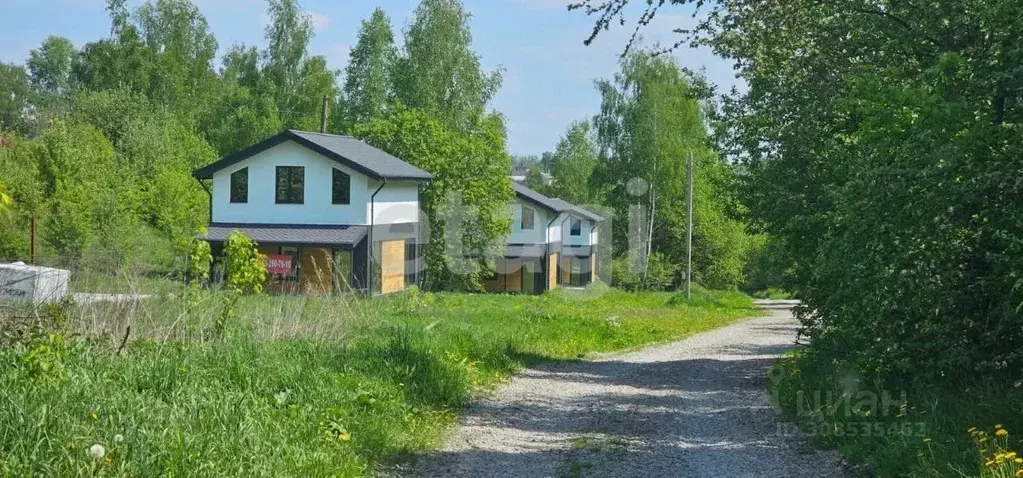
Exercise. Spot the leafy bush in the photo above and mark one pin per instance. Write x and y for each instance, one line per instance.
(658, 275)
(199, 261)
(244, 266)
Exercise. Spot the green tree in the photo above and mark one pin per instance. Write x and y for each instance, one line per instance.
(368, 89)
(182, 50)
(651, 118)
(121, 61)
(14, 100)
(50, 70)
(882, 144)
(572, 164)
(77, 168)
(298, 82)
(473, 168)
(439, 73)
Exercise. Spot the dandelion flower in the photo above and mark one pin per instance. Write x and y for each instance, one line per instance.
(1002, 432)
(1019, 460)
(118, 438)
(97, 451)
(344, 436)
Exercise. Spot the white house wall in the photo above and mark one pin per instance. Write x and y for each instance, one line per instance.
(564, 224)
(527, 236)
(261, 206)
(397, 202)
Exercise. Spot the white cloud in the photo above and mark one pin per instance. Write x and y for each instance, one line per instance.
(318, 20)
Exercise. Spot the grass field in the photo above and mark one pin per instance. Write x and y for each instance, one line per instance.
(295, 386)
(918, 431)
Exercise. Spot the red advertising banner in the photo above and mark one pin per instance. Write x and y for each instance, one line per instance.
(278, 264)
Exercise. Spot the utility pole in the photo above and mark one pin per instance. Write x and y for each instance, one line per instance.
(323, 116)
(689, 225)
(32, 240)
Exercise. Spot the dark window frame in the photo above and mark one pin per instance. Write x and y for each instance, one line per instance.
(289, 193)
(576, 227)
(532, 219)
(242, 196)
(334, 193)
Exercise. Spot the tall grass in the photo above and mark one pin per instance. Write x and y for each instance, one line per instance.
(294, 386)
(922, 430)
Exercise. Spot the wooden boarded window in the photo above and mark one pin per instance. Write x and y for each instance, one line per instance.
(290, 184)
(552, 271)
(392, 266)
(240, 186)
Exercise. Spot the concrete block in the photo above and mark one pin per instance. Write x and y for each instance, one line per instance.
(24, 283)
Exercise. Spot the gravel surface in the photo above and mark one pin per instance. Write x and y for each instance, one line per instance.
(697, 407)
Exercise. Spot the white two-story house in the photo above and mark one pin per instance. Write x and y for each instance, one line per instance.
(551, 243)
(331, 213)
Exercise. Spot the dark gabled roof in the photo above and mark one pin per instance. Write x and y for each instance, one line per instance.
(345, 150)
(552, 204)
(289, 233)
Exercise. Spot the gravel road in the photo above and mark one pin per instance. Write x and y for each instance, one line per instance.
(697, 407)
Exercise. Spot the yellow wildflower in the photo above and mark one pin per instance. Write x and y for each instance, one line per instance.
(1010, 455)
(1002, 432)
(1019, 460)
(344, 436)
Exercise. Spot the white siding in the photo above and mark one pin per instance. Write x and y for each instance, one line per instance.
(527, 236)
(585, 238)
(397, 202)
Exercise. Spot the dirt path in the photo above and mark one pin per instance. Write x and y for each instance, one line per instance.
(697, 407)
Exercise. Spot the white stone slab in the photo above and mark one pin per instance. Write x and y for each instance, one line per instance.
(24, 283)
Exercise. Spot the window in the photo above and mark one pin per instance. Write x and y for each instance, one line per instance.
(240, 186)
(290, 184)
(341, 192)
(577, 227)
(527, 218)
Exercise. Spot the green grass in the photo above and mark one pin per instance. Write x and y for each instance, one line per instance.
(298, 386)
(921, 431)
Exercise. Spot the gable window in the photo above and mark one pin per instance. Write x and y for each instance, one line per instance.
(577, 228)
(341, 189)
(240, 186)
(528, 216)
(290, 184)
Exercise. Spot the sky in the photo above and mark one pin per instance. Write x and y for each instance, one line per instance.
(548, 71)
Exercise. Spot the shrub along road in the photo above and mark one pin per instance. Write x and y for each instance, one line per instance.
(697, 407)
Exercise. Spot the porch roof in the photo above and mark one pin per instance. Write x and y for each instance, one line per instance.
(525, 250)
(289, 233)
